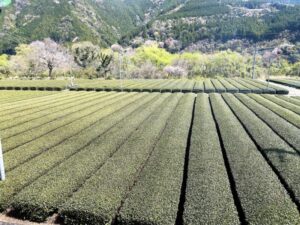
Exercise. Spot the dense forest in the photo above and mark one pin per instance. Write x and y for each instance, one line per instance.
(224, 21)
(208, 30)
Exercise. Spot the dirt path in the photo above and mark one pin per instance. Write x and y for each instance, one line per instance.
(5, 220)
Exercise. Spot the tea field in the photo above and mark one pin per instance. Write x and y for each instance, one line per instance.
(295, 83)
(230, 85)
(151, 158)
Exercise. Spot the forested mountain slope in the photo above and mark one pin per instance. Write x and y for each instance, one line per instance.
(225, 20)
(129, 22)
(101, 21)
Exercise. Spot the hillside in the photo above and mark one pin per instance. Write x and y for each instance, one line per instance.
(223, 21)
(106, 22)
(102, 21)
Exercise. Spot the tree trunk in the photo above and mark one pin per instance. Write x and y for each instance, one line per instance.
(50, 73)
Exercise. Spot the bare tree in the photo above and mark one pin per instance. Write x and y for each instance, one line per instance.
(48, 55)
(268, 58)
(176, 71)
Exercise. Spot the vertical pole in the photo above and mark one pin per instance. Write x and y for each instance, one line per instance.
(120, 69)
(269, 71)
(2, 171)
(254, 62)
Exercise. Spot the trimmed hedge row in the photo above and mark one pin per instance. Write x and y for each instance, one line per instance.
(30, 103)
(162, 176)
(282, 157)
(42, 85)
(208, 195)
(98, 201)
(288, 115)
(283, 103)
(47, 194)
(229, 87)
(43, 177)
(16, 96)
(147, 86)
(84, 110)
(287, 82)
(18, 88)
(279, 90)
(218, 86)
(162, 85)
(199, 86)
(263, 199)
(253, 89)
(188, 86)
(241, 88)
(176, 87)
(287, 131)
(14, 117)
(209, 87)
(39, 145)
(40, 165)
(265, 89)
(292, 100)
(39, 119)
(168, 87)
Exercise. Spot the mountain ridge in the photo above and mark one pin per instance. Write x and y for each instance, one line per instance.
(105, 22)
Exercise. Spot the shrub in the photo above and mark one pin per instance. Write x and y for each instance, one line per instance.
(98, 201)
(47, 194)
(288, 115)
(29, 171)
(272, 147)
(287, 131)
(270, 204)
(162, 176)
(208, 195)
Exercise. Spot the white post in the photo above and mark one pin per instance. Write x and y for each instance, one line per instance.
(254, 62)
(121, 69)
(2, 171)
